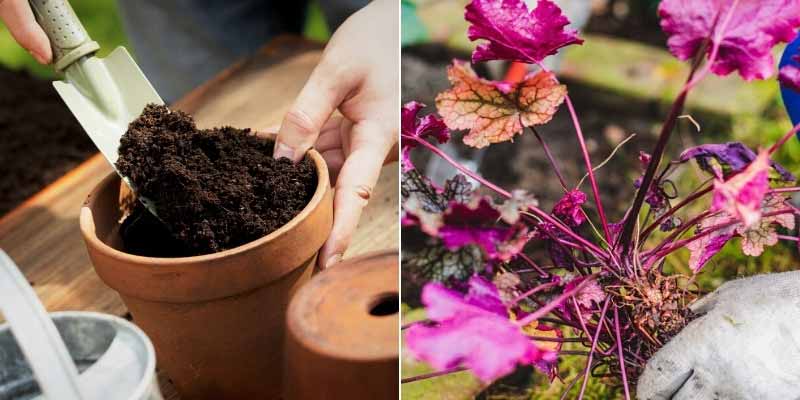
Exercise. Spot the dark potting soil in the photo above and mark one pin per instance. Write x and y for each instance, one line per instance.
(40, 140)
(214, 189)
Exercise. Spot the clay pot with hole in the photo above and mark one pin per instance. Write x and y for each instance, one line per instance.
(217, 321)
(343, 330)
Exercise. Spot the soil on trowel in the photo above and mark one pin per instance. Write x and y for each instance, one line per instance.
(214, 189)
(40, 140)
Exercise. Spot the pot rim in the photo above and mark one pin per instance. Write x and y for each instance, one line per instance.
(89, 230)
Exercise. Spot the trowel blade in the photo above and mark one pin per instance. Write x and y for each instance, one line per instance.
(105, 95)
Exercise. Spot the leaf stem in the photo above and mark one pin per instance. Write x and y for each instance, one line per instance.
(620, 352)
(433, 374)
(589, 169)
(534, 210)
(594, 346)
(550, 158)
(555, 303)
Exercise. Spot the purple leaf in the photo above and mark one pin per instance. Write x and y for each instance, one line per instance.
(422, 128)
(477, 223)
(516, 34)
(732, 156)
(755, 27)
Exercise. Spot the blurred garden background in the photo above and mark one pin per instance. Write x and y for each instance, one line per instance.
(40, 140)
(622, 80)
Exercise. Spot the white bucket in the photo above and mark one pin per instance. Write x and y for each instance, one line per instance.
(69, 355)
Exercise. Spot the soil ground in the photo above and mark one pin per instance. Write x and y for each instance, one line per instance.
(40, 140)
(214, 188)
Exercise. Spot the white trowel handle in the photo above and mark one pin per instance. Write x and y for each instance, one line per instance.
(68, 37)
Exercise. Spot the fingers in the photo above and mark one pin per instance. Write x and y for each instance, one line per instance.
(320, 96)
(19, 18)
(330, 137)
(354, 187)
(666, 372)
(335, 160)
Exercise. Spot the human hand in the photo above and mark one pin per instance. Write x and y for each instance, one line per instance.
(745, 345)
(358, 75)
(18, 17)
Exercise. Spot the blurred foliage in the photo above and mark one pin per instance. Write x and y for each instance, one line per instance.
(104, 24)
(101, 19)
(316, 28)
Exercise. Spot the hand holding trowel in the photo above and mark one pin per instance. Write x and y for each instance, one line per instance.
(104, 94)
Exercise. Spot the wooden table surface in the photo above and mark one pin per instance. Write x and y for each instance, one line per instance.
(42, 234)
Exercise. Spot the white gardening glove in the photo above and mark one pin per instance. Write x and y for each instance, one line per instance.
(745, 345)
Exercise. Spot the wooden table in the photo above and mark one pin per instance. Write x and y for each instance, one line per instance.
(42, 234)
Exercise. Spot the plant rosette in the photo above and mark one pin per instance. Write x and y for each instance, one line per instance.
(490, 306)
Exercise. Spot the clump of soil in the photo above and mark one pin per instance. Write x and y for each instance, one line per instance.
(214, 189)
(40, 140)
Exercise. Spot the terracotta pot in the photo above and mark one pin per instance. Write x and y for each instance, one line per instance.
(343, 330)
(217, 321)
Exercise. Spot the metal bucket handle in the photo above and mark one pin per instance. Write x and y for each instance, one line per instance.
(36, 335)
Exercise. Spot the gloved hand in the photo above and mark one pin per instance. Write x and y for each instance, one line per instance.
(746, 345)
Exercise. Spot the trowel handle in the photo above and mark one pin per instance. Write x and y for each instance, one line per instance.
(68, 37)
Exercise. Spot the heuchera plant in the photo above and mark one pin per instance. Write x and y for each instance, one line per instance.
(604, 282)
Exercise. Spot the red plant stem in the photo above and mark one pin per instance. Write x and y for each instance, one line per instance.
(535, 210)
(652, 166)
(594, 346)
(682, 243)
(580, 317)
(555, 303)
(550, 158)
(673, 210)
(784, 139)
(555, 339)
(621, 357)
(557, 321)
(534, 265)
(792, 189)
(589, 168)
(680, 230)
(432, 374)
(669, 125)
(574, 352)
(533, 291)
(789, 238)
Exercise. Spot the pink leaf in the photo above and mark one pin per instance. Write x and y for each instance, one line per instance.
(763, 234)
(514, 33)
(473, 331)
(703, 249)
(755, 27)
(493, 112)
(741, 195)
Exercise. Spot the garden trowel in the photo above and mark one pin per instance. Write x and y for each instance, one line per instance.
(104, 94)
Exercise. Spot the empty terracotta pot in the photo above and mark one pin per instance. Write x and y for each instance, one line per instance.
(343, 330)
(217, 321)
